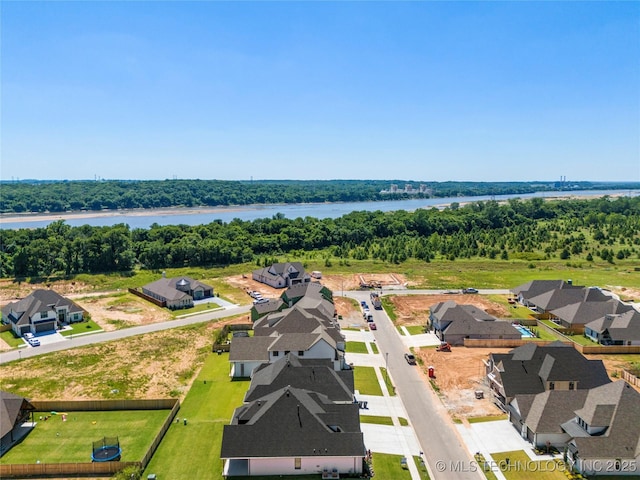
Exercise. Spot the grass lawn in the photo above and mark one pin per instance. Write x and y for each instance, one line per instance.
(87, 326)
(365, 381)
(387, 305)
(376, 420)
(374, 348)
(387, 380)
(416, 329)
(403, 421)
(55, 441)
(356, 347)
(387, 467)
(489, 418)
(542, 334)
(580, 339)
(521, 467)
(193, 451)
(202, 307)
(11, 340)
(515, 311)
(422, 468)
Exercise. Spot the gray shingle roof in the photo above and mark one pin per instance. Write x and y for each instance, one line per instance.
(555, 299)
(19, 312)
(10, 407)
(547, 411)
(250, 349)
(527, 368)
(585, 312)
(291, 422)
(166, 287)
(308, 374)
(537, 287)
(621, 327)
(618, 405)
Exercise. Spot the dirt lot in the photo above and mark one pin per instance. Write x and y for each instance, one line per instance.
(458, 374)
(122, 310)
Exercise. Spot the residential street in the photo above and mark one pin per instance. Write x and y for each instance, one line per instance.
(443, 449)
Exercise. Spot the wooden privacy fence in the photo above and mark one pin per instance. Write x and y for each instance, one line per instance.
(94, 468)
(66, 469)
(630, 378)
(103, 405)
(148, 298)
(502, 342)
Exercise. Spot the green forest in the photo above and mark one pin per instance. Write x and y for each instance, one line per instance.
(63, 196)
(572, 230)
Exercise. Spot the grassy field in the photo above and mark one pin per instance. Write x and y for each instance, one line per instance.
(10, 339)
(387, 381)
(521, 467)
(366, 381)
(55, 441)
(193, 451)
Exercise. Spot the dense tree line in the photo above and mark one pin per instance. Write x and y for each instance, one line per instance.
(586, 229)
(20, 197)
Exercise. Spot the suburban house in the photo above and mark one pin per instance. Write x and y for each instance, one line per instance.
(42, 311)
(533, 369)
(248, 353)
(576, 315)
(302, 373)
(293, 431)
(14, 411)
(271, 305)
(598, 428)
(606, 431)
(535, 288)
(615, 329)
(547, 302)
(298, 320)
(281, 275)
(453, 323)
(179, 292)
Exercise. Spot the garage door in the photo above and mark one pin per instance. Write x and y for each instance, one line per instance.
(45, 327)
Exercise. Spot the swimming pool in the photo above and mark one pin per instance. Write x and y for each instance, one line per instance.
(524, 331)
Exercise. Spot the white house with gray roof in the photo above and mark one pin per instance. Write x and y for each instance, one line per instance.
(615, 329)
(41, 312)
(281, 275)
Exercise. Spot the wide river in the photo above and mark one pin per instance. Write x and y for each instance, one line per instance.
(199, 216)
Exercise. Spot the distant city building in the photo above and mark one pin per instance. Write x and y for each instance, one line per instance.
(408, 189)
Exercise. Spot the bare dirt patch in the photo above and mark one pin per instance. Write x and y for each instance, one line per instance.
(414, 309)
(625, 293)
(247, 283)
(458, 374)
(340, 283)
(11, 290)
(122, 310)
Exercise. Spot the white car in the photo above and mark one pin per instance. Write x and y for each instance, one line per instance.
(28, 336)
(34, 342)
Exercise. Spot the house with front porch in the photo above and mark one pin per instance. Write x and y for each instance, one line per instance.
(42, 311)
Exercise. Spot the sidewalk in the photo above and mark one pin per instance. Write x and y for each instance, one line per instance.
(391, 439)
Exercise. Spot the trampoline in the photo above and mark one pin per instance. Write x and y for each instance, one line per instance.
(106, 450)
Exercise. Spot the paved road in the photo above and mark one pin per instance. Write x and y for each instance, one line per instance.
(81, 340)
(443, 449)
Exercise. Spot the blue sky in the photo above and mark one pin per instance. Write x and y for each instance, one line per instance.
(430, 91)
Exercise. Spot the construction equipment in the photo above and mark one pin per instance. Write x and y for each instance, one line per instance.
(444, 347)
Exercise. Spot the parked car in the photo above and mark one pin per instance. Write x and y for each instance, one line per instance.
(469, 290)
(34, 342)
(411, 360)
(372, 326)
(260, 300)
(28, 336)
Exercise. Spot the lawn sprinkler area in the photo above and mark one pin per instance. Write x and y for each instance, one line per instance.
(69, 437)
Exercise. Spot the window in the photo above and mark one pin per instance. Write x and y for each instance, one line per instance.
(301, 353)
(44, 314)
(297, 463)
(572, 386)
(552, 385)
(276, 353)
